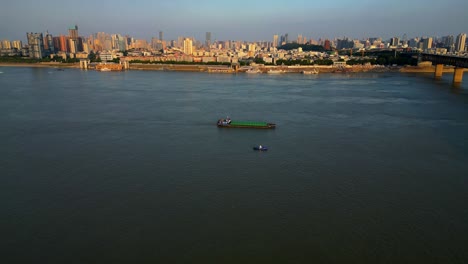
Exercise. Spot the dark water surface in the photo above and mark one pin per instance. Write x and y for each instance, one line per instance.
(130, 168)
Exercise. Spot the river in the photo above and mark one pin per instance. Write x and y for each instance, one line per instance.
(129, 167)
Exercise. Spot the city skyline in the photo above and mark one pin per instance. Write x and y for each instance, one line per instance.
(250, 21)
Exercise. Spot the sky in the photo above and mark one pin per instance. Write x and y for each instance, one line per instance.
(250, 20)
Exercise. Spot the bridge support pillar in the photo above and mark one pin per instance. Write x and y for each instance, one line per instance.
(439, 69)
(458, 76)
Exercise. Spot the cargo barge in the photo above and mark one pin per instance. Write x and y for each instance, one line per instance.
(228, 123)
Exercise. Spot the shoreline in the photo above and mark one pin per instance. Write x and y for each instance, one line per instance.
(212, 68)
(227, 69)
(40, 65)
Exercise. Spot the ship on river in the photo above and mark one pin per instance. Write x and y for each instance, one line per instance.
(228, 123)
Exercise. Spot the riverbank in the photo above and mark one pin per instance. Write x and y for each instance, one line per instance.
(260, 69)
(40, 65)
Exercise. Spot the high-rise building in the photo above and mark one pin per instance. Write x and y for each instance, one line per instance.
(161, 36)
(394, 41)
(17, 44)
(120, 42)
(50, 43)
(72, 45)
(404, 41)
(63, 43)
(344, 44)
(208, 40)
(107, 44)
(180, 42)
(413, 43)
(427, 43)
(73, 32)
(188, 46)
(156, 44)
(5, 44)
(448, 40)
(36, 45)
(299, 39)
(460, 44)
(327, 45)
(129, 40)
(275, 41)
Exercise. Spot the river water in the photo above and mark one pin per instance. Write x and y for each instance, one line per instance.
(129, 167)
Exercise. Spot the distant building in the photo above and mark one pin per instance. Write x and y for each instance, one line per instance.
(413, 43)
(60, 43)
(208, 39)
(72, 44)
(50, 43)
(85, 48)
(357, 44)
(119, 42)
(394, 42)
(161, 36)
(299, 39)
(448, 41)
(36, 45)
(17, 44)
(105, 56)
(344, 44)
(5, 44)
(460, 44)
(188, 46)
(275, 41)
(327, 45)
(339, 64)
(73, 32)
(427, 43)
(284, 39)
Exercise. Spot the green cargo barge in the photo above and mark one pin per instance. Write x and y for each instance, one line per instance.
(228, 123)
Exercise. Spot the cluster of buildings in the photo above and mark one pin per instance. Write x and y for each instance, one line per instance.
(107, 47)
(448, 44)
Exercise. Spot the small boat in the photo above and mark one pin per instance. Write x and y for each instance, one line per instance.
(314, 71)
(260, 148)
(105, 69)
(228, 123)
(275, 71)
(253, 71)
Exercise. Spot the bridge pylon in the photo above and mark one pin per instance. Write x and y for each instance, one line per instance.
(458, 76)
(439, 70)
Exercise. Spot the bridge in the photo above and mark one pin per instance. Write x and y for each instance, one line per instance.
(439, 61)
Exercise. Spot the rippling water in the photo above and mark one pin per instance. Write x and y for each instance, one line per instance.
(130, 168)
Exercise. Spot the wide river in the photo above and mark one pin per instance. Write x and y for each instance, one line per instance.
(129, 167)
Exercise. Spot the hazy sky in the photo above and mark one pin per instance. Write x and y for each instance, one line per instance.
(236, 19)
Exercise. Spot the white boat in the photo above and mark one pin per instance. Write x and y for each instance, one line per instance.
(253, 71)
(275, 71)
(314, 71)
(105, 69)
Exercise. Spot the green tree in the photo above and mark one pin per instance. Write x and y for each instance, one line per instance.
(92, 56)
